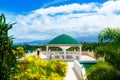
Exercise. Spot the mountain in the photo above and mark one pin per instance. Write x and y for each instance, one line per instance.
(88, 39)
(37, 42)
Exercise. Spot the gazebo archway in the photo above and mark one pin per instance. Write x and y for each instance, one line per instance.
(64, 42)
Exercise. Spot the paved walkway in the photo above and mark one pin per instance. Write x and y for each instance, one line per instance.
(71, 75)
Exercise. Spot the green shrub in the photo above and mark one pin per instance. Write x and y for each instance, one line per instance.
(101, 71)
(114, 58)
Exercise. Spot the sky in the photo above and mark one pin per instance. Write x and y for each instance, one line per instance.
(46, 19)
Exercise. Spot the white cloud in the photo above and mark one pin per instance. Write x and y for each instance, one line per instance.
(66, 9)
(73, 19)
(53, 2)
(110, 7)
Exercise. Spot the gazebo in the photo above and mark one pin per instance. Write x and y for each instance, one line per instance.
(64, 42)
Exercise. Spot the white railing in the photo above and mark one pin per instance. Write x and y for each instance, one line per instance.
(80, 70)
(59, 54)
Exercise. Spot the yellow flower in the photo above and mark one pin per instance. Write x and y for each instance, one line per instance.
(30, 58)
(28, 70)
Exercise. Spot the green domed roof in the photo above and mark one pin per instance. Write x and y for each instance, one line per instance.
(63, 39)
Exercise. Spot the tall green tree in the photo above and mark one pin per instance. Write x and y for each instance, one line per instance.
(7, 59)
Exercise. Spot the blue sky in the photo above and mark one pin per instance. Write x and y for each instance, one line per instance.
(21, 6)
(46, 19)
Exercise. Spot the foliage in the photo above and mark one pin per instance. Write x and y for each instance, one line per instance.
(33, 68)
(102, 71)
(89, 46)
(7, 59)
(114, 58)
(100, 52)
(55, 49)
(109, 69)
(30, 47)
(93, 46)
(73, 48)
(104, 50)
(110, 35)
(19, 52)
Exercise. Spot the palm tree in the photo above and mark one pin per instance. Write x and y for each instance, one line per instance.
(110, 35)
(7, 59)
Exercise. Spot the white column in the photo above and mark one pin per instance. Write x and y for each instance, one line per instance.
(74, 55)
(64, 48)
(46, 49)
(80, 51)
(64, 53)
(80, 48)
(47, 52)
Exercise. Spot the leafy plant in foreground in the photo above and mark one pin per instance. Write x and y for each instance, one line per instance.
(7, 59)
(102, 71)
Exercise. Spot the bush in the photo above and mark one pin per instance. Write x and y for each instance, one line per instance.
(33, 68)
(114, 58)
(102, 71)
(19, 52)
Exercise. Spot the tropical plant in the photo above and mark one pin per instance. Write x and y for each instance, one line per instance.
(7, 59)
(110, 35)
